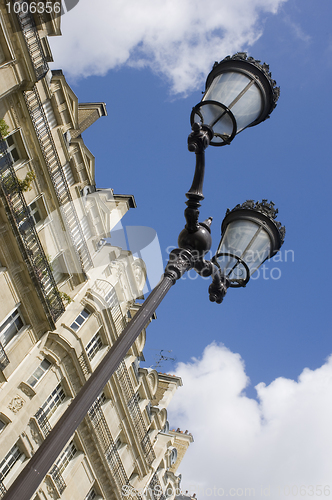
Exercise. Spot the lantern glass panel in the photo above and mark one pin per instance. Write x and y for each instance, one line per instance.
(259, 250)
(227, 87)
(247, 240)
(248, 108)
(231, 267)
(238, 236)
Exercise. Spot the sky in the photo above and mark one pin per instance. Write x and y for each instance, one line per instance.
(256, 370)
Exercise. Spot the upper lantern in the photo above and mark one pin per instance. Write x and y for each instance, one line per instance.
(239, 93)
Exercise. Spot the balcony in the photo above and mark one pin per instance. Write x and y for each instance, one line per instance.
(135, 412)
(27, 238)
(31, 37)
(3, 489)
(109, 450)
(58, 178)
(43, 422)
(155, 489)
(57, 479)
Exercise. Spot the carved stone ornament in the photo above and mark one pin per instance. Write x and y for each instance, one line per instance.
(267, 209)
(50, 489)
(139, 274)
(16, 404)
(28, 391)
(263, 67)
(35, 433)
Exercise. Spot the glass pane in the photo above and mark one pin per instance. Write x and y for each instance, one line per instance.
(36, 217)
(18, 323)
(237, 237)
(10, 140)
(32, 381)
(45, 364)
(226, 87)
(231, 268)
(258, 251)
(85, 313)
(248, 108)
(15, 155)
(79, 320)
(10, 327)
(38, 373)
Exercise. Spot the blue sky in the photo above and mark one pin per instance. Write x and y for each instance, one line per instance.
(147, 61)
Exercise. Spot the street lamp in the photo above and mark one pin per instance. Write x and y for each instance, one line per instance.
(240, 93)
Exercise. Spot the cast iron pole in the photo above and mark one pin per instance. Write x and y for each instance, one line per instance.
(38, 466)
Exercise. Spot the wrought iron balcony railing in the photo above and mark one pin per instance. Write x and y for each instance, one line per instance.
(155, 488)
(58, 479)
(83, 364)
(43, 422)
(31, 37)
(3, 489)
(135, 412)
(103, 433)
(24, 230)
(4, 361)
(58, 178)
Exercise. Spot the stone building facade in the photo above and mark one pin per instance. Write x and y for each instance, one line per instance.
(66, 292)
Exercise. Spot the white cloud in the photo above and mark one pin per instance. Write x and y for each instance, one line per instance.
(297, 30)
(282, 441)
(178, 39)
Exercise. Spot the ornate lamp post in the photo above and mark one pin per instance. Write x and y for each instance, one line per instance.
(239, 93)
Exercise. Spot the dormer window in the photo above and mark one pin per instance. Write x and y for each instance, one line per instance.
(81, 318)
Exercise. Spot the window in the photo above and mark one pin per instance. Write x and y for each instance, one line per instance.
(2, 425)
(39, 372)
(66, 457)
(59, 269)
(12, 149)
(10, 327)
(13, 456)
(102, 398)
(83, 316)
(135, 365)
(94, 346)
(54, 401)
(15, 151)
(148, 410)
(91, 495)
(118, 443)
(38, 210)
(34, 212)
(111, 298)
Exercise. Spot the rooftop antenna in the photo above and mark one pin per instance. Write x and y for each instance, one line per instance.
(162, 358)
